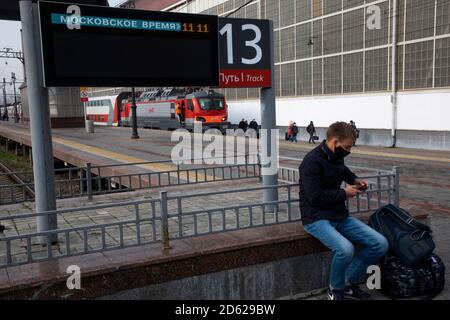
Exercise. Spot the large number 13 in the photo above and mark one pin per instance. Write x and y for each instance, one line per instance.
(252, 43)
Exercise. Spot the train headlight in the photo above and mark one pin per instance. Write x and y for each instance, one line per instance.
(224, 119)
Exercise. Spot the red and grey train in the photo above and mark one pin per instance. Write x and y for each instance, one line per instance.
(167, 109)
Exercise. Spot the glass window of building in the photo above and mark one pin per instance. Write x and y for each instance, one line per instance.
(347, 4)
(317, 38)
(287, 37)
(419, 65)
(332, 74)
(377, 35)
(376, 66)
(304, 78)
(442, 64)
(317, 76)
(303, 10)
(304, 41)
(353, 72)
(443, 17)
(353, 29)
(332, 34)
(288, 79)
(419, 19)
(287, 12)
(273, 12)
(330, 6)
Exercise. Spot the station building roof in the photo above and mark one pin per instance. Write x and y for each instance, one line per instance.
(156, 5)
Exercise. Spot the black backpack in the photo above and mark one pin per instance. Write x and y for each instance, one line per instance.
(409, 240)
(401, 281)
(410, 268)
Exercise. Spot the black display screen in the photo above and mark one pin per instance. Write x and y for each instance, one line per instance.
(122, 47)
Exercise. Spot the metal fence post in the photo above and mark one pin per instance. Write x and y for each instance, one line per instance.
(396, 171)
(89, 180)
(82, 179)
(258, 159)
(164, 220)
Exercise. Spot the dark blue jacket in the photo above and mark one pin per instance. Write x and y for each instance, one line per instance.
(321, 195)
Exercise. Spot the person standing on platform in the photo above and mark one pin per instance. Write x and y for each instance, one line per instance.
(254, 125)
(241, 124)
(294, 132)
(311, 131)
(352, 123)
(289, 131)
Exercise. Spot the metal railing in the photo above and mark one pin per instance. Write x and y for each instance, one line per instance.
(105, 179)
(134, 223)
(237, 216)
(383, 187)
(81, 239)
(172, 216)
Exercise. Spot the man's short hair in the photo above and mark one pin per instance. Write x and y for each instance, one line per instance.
(341, 131)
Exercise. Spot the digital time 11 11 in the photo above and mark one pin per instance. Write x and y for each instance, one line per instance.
(192, 27)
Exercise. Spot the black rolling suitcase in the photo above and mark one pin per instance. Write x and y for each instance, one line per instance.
(286, 136)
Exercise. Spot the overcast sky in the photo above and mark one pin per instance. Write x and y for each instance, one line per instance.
(10, 38)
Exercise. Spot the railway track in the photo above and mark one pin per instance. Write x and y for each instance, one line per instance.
(12, 188)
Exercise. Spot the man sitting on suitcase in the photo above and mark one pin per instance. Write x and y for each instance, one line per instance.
(326, 217)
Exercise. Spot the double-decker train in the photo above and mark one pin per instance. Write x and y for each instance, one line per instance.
(167, 109)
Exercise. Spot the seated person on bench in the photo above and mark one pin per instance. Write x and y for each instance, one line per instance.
(326, 217)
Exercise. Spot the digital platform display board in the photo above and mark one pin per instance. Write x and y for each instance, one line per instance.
(106, 47)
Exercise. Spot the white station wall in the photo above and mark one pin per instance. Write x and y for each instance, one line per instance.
(425, 110)
(417, 110)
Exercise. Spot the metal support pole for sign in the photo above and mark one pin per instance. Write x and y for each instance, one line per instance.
(41, 139)
(394, 96)
(5, 115)
(89, 180)
(396, 171)
(85, 116)
(16, 114)
(134, 135)
(268, 122)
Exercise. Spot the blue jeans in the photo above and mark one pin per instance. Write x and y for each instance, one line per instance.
(346, 267)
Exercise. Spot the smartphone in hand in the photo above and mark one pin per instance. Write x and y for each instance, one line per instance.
(360, 186)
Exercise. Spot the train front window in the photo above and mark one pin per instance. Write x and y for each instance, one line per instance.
(211, 104)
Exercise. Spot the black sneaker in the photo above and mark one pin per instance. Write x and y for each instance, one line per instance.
(337, 295)
(355, 293)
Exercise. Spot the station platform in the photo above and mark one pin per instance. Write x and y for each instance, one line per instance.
(267, 262)
(425, 174)
(243, 259)
(110, 145)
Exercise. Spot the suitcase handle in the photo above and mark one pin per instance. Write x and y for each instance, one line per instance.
(411, 221)
(421, 236)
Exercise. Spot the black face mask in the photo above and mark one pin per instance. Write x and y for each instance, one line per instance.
(340, 153)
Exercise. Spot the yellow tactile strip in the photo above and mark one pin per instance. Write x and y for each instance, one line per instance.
(155, 167)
